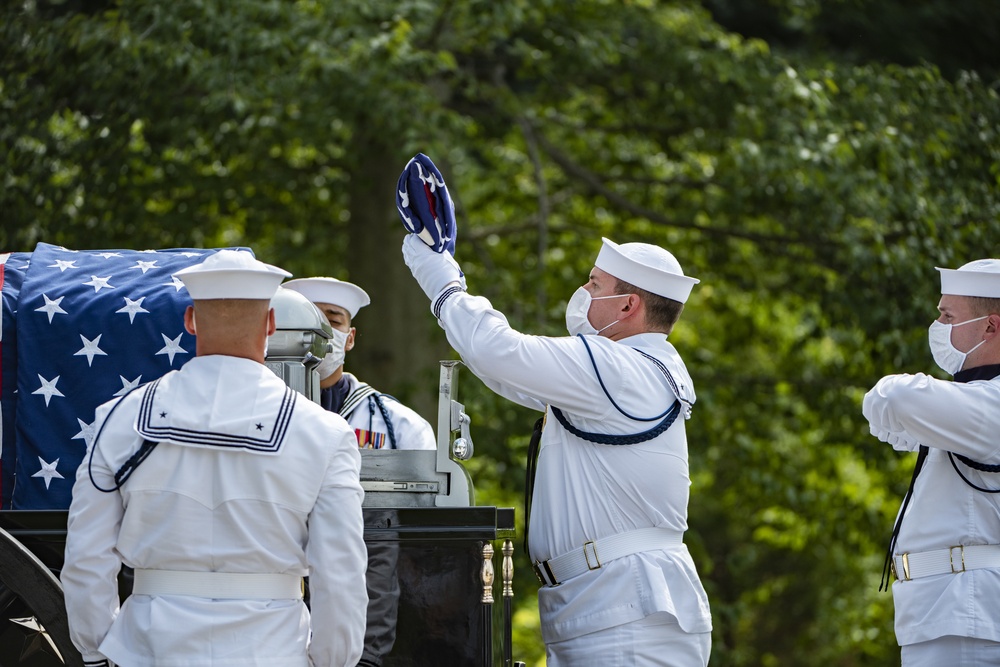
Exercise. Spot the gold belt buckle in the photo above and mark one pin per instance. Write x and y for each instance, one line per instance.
(951, 557)
(586, 555)
(906, 567)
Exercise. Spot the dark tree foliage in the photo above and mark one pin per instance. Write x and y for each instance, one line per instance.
(811, 179)
(954, 35)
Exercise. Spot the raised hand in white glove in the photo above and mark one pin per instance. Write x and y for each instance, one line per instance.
(434, 271)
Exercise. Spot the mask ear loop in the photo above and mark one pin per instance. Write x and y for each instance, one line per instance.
(974, 319)
(129, 466)
(960, 324)
(604, 328)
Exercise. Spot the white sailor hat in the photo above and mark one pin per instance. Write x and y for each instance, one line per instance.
(978, 278)
(232, 274)
(647, 266)
(330, 290)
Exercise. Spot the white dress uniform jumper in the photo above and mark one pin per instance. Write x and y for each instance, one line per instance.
(945, 548)
(607, 518)
(640, 490)
(379, 420)
(947, 551)
(260, 490)
(222, 488)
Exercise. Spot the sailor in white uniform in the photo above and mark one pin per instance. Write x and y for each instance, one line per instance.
(945, 547)
(222, 488)
(610, 496)
(379, 420)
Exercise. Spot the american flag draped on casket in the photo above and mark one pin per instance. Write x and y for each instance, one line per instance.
(78, 329)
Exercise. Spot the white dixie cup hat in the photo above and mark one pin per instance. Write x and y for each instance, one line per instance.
(232, 274)
(330, 290)
(978, 278)
(647, 266)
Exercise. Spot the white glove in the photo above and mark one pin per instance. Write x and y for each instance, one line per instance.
(876, 407)
(901, 441)
(882, 420)
(434, 271)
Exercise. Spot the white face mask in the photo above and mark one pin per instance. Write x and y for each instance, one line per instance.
(334, 359)
(946, 356)
(578, 313)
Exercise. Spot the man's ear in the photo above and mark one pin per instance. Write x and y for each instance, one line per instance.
(272, 325)
(631, 306)
(349, 343)
(992, 325)
(189, 324)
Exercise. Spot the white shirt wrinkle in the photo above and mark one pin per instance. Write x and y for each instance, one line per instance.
(189, 507)
(584, 490)
(944, 511)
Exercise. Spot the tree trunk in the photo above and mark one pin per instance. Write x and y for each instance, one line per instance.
(398, 343)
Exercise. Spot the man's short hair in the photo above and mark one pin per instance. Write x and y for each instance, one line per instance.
(984, 305)
(661, 313)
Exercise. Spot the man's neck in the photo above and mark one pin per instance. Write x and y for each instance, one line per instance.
(332, 398)
(208, 350)
(631, 330)
(332, 379)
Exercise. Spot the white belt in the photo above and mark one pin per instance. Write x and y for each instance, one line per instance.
(218, 585)
(595, 553)
(952, 560)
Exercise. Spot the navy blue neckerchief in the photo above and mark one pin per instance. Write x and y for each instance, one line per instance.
(332, 397)
(667, 419)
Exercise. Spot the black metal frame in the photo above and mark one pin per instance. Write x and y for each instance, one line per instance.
(442, 542)
(25, 576)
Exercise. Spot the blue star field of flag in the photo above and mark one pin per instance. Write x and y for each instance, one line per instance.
(90, 326)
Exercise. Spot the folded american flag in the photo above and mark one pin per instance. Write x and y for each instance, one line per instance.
(90, 325)
(424, 204)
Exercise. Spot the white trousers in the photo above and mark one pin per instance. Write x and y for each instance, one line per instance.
(953, 652)
(655, 641)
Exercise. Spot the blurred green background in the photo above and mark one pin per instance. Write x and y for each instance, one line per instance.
(811, 161)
